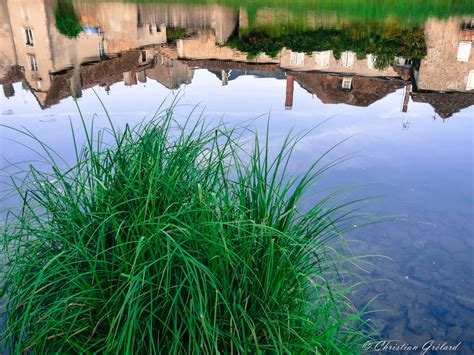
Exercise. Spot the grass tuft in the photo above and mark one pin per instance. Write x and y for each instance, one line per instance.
(175, 239)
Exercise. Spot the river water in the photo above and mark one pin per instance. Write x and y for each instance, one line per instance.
(397, 82)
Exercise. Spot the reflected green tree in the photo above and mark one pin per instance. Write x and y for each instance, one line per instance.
(67, 20)
(175, 33)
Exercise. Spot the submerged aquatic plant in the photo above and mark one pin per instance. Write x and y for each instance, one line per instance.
(174, 239)
(67, 20)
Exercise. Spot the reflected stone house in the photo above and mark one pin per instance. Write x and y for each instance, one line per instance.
(445, 104)
(40, 49)
(9, 71)
(7, 48)
(30, 40)
(119, 26)
(123, 68)
(445, 77)
(170, 72)
(220, 20)
(449, 64)
(365, 90)
(346, 80)
(326, 62)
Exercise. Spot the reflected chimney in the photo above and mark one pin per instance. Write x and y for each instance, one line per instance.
(134, 80)
(130, 78)
(76, 81)
(8, 90)
(141, 77)
(225, 78)
(290, 87)
(405, 74)
(406, 99)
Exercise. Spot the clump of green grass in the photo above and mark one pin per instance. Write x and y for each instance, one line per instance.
(174, 239)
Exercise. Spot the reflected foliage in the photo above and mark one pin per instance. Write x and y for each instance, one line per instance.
(406, 10)
(384, 41)
(173, 34)
(67, 20)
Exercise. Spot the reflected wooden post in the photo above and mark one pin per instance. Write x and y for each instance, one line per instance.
(290, 88)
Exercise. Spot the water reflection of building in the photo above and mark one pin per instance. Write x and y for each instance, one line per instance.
(445, 77)
(365, 90)
(123, 68)
(170, 72)
(9, 72)
(220, 20)
(53, 65)
(449, 64)
(326, 62)
(448, 67)
(40, 49)
(126, 42)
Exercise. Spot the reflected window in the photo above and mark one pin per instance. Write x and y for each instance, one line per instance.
(371, 62)
(464, 51)
(25, 12)
(297, 58)
(470, 80)
(347, 84)
(29, 40)
(467, 25)
(322, 59)
(102, 54)
(347, 59)
(33, 62)
(403, 62)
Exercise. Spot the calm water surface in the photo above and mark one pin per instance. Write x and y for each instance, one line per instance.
(398, 81)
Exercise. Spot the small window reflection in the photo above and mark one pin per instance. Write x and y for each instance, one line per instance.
(347, 84)
(29, 40)
(33, 62)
